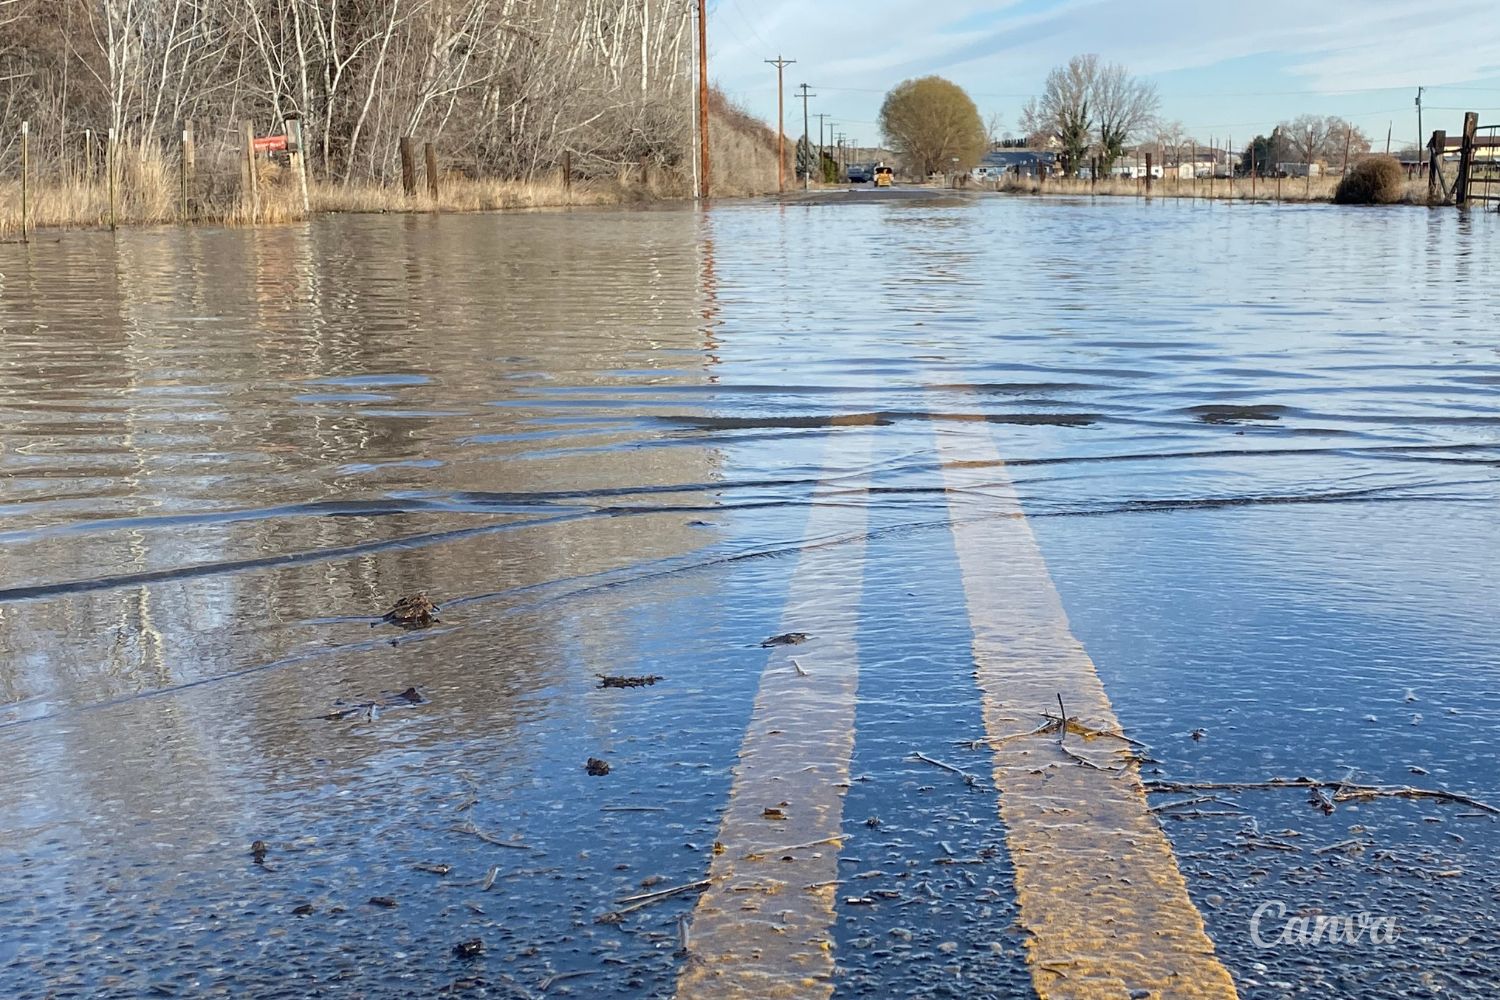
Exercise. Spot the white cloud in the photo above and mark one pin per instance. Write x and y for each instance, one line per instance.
(999, 50)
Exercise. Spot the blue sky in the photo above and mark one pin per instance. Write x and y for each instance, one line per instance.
(1225, 70)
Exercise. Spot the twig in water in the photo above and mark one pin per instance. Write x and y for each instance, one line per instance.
(684, 939)
(488, 838)
(1204, 814)
(837, 839)
(1343, 845)
(489, 878)
(1342, 790)
(1089, 732)
(632, 903)
(1080, 758)
(633, 809)
(1197, 800)
(651, 897)
(473, 797)
(995, 742)
(968, 778)
(558, 977)
(798, 667)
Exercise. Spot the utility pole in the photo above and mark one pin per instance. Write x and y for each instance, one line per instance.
(1421, 139)
(821, 118)
(703, 98)
(806, 149)
(781, 65)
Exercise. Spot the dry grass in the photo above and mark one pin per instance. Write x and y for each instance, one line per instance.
(743, 151)
(461, 194)
(1292, 189)
(744, 163)
(1378, 180)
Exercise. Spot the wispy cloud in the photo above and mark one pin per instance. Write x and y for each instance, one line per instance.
(1331, 47)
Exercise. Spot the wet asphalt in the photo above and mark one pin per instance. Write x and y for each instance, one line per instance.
(1256, 445)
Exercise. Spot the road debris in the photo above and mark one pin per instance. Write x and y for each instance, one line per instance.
(1343, 791)
(369, 711)
(786, 639)
(632, 903)
(645, 680)
(489, 838)
(415, 611)
(969, 779)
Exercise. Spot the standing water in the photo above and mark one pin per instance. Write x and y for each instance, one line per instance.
(1232, 470)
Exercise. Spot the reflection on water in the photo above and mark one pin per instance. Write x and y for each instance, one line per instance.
(592, 437)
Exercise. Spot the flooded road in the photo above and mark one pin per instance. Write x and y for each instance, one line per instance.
(1215, 483)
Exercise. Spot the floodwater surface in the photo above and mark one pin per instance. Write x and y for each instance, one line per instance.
(1221, 479)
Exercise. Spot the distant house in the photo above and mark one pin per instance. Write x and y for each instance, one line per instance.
(1288, 169)
(1021, 162)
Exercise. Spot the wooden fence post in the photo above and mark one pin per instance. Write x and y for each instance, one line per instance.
(1436, 146)
(252, 183)
(186, 165)
(25, 188)
(567, 177)
(292, 129)
(109, 170)
(429, 156)
(1148, 174)
(1466, 158)
(408, 167)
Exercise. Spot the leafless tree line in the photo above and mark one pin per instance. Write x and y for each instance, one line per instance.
(506, 87)
(1089, 104)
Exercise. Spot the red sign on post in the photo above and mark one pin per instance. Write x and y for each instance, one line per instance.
(270, 144)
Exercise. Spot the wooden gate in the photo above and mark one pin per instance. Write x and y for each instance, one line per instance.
(1475, 177)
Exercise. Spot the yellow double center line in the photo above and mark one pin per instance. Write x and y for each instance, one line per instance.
(1105, 908)
(763, 928)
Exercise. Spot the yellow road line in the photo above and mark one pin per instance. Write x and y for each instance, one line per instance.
(764, 927)
(1106, 909)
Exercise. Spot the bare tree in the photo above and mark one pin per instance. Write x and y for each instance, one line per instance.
(1124, 108)
(994, 129)
(507, 86)
(1065, 110)
(1316, 138)
(1088, 94)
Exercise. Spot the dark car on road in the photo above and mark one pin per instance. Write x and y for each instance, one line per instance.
(859, 173)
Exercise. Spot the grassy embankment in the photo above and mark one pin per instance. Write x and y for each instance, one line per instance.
(149, 193)
(1293, 189)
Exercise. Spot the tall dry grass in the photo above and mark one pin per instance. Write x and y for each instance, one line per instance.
(149, 187)
(743, 151)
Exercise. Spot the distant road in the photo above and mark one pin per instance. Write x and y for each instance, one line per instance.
(865, 192)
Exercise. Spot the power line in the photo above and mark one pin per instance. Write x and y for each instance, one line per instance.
(749, 23)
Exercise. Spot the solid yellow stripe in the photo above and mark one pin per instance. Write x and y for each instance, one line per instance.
(764, 926)
(1101, 898)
